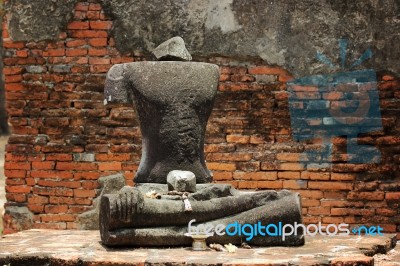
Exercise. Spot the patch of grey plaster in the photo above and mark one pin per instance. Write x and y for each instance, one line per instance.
(22, 217)
(287, 33)
(108, 185)
(38, 20)
(220, 15)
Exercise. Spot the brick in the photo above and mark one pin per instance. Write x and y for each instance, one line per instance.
(18, 189)
(319, 210)
(356, 195)
(93, 15)
(120, 60)
(277, 184)
(15, 182)
(76, 52)
(88, 33)
(392, 195)
(221, 166)
(238, 139)
(110, 166)
(363, 212)
(255, 139)
(266, 70)
(76, 43)
(335, 195)
(294, 184)
(288, 157)
(81, 193)
(222, 175)
(291, 166)
(13, 70)
(51, 174)
(99, 68)
(315, 175)
(99, 42)
(343, 177)
(386, 212)
(54, 52)
(89, 185)
(15, 173)
(99, 61)
(333, 203)
(78, 25)
(100, 25)
(34, 199)
(312, 194)
(98, 52)
(248, 166)
(329, 185)
(13, 45)
(229, 157)
(309, 202)
(35, 208)
(248, 184)
(311, 219)
(52, 183)
(43, 165)
(58, 157)
(14, 87)
(86, 175)
(13, 78)
(56, 208)
(272, 175)
(77, 166)
(17, 166)
(289, 175)
(332, 220)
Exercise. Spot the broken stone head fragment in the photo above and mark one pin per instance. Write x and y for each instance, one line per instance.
(173, 49)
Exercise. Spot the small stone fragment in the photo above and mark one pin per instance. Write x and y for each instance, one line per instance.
(173, 49)
(245, 245)
(230, 248)
(153, 195)
(218, 247)
(181, 181)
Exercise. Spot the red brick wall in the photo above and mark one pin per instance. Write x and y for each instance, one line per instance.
(64, 138)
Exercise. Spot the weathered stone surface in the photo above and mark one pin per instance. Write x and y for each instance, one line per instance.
(38, 20)
(172, 50)
(108, 184)
(287, 33)
(83, 248)
(173, 101)
(129, 218)
(22, 217)
(181, 181)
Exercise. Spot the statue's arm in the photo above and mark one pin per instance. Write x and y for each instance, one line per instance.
(116, 89)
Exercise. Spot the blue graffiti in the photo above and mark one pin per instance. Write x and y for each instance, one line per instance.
(339, 104)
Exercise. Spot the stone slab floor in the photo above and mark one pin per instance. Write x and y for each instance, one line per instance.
(3, 142)
(52, 247)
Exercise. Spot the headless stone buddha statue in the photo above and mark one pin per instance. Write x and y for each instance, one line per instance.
(174, 99)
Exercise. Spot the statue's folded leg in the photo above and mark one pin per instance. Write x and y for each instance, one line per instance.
(285, 209)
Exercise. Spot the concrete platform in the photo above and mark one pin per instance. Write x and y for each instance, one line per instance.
(51, 247)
